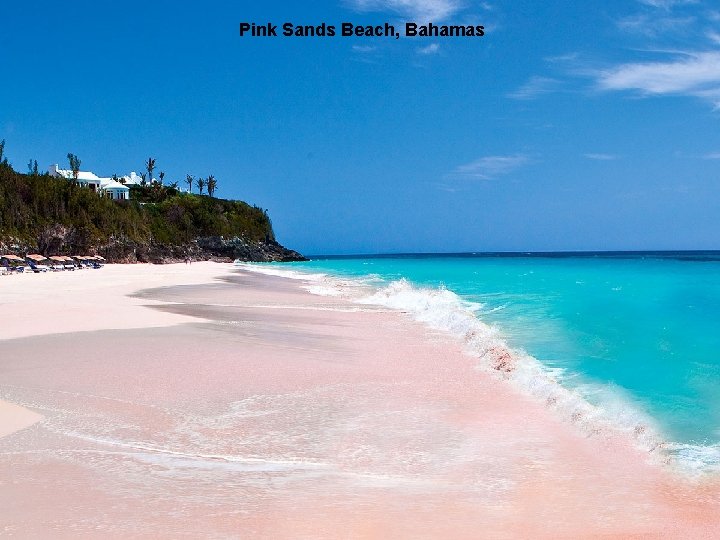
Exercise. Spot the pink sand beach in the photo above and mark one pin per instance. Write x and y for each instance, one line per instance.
(204, 401)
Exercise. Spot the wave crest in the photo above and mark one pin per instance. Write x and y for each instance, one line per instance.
(443, 310)
(596, 409)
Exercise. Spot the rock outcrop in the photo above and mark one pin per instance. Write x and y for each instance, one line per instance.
(58, 240)
(159, 224)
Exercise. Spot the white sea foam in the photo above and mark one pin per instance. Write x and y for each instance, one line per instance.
(596, 409)
(442, 309)
(695, 458)
(281, 272)
(317, 283)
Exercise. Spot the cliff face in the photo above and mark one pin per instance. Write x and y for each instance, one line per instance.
(58, 239)
(238, 248)
(201, 249)
(40, 214)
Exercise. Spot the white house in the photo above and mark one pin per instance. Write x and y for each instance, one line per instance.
(116, 190)
(108, 187)
(134, 179)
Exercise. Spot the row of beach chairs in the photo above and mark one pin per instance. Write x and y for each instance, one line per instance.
(34, 263)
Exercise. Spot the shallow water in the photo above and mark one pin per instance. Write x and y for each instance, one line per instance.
(634, 334)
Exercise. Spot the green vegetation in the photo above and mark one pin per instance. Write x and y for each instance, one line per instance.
(3, 160)
(150, 167)
(33, 168)
(74, 165)
(211, 185)
(32, 204)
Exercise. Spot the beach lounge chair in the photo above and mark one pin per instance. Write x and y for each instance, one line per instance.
(77, 260)
(68, 263)
(57, 263)
(37, 263)
(13, 263)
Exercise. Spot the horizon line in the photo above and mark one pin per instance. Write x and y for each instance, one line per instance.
(521, 253)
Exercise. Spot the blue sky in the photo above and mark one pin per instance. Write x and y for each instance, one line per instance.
(568, 126)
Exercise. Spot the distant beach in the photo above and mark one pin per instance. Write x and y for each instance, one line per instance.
(204, 400)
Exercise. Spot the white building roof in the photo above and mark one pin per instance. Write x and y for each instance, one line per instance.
(112, 184)
(82, 175)
(131, 179)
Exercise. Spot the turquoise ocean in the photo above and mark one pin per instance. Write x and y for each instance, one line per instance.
(633, 337)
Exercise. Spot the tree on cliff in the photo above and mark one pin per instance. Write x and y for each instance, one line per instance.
(33, 168)
(150, 167)
(211, 185)
(189, 180)
(34, 208)
(4, 163)
(74, 166)
(201, 184)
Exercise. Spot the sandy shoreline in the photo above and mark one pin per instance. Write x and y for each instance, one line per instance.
(89, 300)
(84, 301)
(245, 406)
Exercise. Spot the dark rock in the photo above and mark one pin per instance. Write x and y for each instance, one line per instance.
(239, 248)
(59, 240)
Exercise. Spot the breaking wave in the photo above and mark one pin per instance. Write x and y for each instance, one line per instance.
(596, 409)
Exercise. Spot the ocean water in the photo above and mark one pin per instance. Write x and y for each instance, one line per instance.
(630, 341)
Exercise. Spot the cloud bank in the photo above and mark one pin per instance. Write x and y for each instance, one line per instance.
(491, 167)
(417, 10)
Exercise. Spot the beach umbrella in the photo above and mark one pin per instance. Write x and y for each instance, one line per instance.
(11, 258)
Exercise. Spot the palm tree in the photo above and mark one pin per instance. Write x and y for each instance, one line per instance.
(211, 185)
(161, 175)
(189, 180)
(3, 160)
(150, 166)
(74, 166)
(201, 184)
(143, 182)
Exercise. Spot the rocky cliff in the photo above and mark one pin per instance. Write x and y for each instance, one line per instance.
(118, 249)
(160, 224)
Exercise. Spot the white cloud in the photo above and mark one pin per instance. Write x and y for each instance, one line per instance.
(567, 57)
(363, 48)
(417, 10)
(674, 69)
(652, 26)
(694, 74)
(446, 187)
(490, 167)
(535, 87)
(601, 157)
(667, 4)
(713, 36)
(433, 48)
(712, 155)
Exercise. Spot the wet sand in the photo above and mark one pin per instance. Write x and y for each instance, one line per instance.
(14, 418)
(250, 408)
